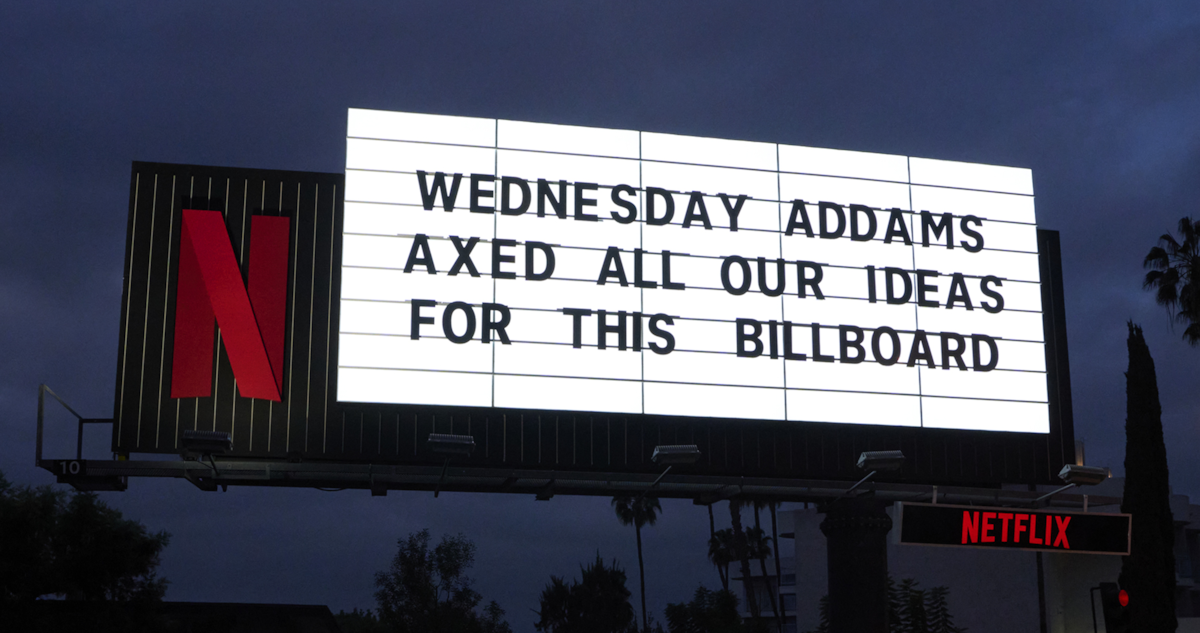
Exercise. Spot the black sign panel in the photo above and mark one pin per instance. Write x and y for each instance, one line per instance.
(153, 406)
(1013, 528)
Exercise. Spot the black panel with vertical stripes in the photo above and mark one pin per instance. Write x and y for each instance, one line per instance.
(309, 424)
(147, 419)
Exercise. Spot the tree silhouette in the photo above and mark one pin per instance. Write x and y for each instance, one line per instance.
(1148, 573)
(428, 590)
(760, 548)
(75, 546)
(597, 603)
(910, 609)
(1175, 277)
(743, 555)
(721, 552)
(708, 612)
(638, 511)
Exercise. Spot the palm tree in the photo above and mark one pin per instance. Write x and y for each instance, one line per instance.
(638, 511)
(721, 553)
(775, 540)
(743, 555)
(1175, 277)
(765, 549)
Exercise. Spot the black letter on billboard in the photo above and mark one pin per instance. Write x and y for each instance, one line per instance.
(816, 346)
(417, 319)
(848, 344)
(577, 315)
(603, 329)
(875, 348)
(958, 293)
(477, 193)
(955, 351)
(994, 353)
(897, 227)
(581, 202)
(741, 263)
(667, 284)
(788, 354)
(464, 255)
(639, 280)
(420, 246)
(448, 323)
(799, 219)
(807, 282)
(498, 259)
(945, 225)
(696, 210)
(856, 209)
(822, 209)
(733, 210)
(753, 336)
(530, 247)
(667, 337)
(624, 204)
(972, 233)
(780, 280)
(506, 207)
(923, 287)
(999, 305)
(920, 350)
(429, 198)
(559, 204)
(651, 194)
(890, 273)
(612, 267)
(490, 325)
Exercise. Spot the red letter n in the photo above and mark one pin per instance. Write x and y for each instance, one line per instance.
(970, 526)
(251, 316)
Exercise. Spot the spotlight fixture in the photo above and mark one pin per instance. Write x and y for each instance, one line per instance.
(673, 454)
(881, 461)
(1083, 475)
(451, 445)
(196, 445)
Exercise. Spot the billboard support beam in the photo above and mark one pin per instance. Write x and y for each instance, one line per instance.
(855, 532)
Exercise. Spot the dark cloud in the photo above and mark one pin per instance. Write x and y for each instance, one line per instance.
(1099, 99)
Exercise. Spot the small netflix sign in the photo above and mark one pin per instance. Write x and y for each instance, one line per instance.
(1013, 528)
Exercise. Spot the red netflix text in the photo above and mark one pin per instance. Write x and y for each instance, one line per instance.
(1019, 528)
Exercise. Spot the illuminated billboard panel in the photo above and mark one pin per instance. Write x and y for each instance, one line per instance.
(515, 265)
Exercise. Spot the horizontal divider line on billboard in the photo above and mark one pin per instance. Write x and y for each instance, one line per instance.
(484, 240)
(679, 350)
(682, 382)
(784, 204)
(669, 162)
(750, 291)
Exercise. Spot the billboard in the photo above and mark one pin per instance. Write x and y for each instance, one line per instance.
(494, 263)
(572, 297)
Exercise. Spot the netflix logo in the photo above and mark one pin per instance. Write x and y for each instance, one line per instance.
(990, 527)
(1012, 528)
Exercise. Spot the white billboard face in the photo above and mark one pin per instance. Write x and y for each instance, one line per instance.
(495, 263)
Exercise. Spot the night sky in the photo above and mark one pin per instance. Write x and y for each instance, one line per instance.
(1100, 99)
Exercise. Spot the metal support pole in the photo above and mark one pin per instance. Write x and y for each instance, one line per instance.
(856, 539)
(664, 474)
(1051, 494)
(438, 489)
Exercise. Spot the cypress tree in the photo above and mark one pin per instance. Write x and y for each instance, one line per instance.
(1148, 573)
